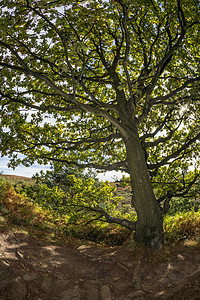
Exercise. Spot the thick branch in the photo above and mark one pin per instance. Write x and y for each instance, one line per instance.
(127, 51)
(62, 38)
(66, 145)
(174, 154)
(68, 97)
(109, 219)
(181, 192)
(115, 166)
(41, 107)
(162, 139)
(160, 99)
(162, 66)
(161, 125)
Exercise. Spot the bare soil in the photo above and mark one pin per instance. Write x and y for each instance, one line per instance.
(32, 268)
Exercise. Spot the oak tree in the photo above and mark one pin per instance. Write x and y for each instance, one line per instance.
(111, 85)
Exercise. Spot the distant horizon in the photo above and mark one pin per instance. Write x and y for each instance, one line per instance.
(36, 168)
(20, 170)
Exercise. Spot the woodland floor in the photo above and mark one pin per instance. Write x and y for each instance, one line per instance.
(32, 268)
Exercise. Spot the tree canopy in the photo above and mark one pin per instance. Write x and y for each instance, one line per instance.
(88, 82)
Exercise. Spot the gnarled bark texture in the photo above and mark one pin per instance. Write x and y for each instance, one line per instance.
(149, 227)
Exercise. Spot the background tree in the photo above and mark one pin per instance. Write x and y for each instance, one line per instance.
(119, 82)
(59, 173)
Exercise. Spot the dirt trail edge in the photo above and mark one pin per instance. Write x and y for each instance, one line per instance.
(34, 269)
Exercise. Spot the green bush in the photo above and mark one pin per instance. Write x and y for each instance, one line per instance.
(52, 209)
(81, 201)
(183, 205)
(181, 226)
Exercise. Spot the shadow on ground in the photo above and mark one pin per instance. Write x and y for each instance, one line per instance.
(31, 268)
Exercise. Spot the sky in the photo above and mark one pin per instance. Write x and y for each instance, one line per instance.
(20, 170)
(30, 171)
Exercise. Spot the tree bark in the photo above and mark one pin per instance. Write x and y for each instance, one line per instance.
(149, 226)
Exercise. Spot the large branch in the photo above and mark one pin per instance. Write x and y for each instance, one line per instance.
(68, 97)
(121, 165)
(103, 216)
(115, 166)
(161, 66)
(62, 38)
(65, 145)
(161, 125)
(114, 220)
(160, 99)
(165, 61)
(163, 99)
(41, 107)
(15, 53)
(127, 50)
(41, 76)
(174, 154)
(162, 139)
(179, 193)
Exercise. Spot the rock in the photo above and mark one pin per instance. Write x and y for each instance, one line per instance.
(149, 277)
(71, 294)
(120, 286)
(29, 277)
(83, 248)
(47, 285)
(34, 291)
(128, 264)
(137, 294)
(105, 293)
(116, 278)
(60, 285)
(92, 294)
(4, 283)
(18, 288)
(6, 263)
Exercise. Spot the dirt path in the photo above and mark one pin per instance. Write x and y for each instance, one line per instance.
(34, 269)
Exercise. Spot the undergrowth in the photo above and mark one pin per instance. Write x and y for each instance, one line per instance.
(182, 226)
(19, 210)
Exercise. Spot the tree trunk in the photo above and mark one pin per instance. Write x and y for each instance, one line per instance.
(149, 227)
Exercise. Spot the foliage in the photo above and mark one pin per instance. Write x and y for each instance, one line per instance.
(42, 214)
(181, 192)
(182, 226)
(25, 211)
(82, 202)
(80, 76)
(13, 205)
(183, 205)
(59, 175)
(111, 85)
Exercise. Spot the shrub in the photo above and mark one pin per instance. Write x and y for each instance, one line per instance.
(181, 226)
(183, 205)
